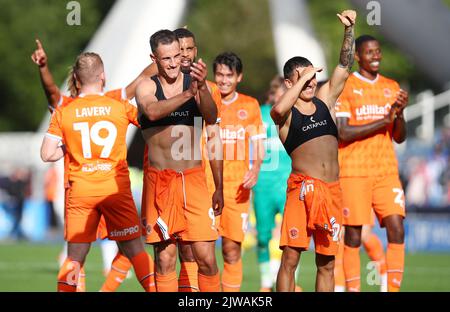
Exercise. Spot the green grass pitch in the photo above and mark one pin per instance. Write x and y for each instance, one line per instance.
(33, 268)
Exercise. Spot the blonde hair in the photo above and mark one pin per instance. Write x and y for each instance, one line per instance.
(72, 83)
(87, 70)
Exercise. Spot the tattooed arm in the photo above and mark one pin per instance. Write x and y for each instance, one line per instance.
(330, 92)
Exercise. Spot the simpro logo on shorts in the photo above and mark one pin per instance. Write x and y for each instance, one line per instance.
(124, 232)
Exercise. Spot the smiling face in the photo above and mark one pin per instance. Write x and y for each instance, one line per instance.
(226, 80)
(309, 89)
(369, 57)
(168, 59)
(188, 53)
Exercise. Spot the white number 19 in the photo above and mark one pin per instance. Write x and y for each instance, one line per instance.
(94, 136)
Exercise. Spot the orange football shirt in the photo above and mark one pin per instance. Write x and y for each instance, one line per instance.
(240, 122)
(116, 94)
(364, 101)
(93, 128)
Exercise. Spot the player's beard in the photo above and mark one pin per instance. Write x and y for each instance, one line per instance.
(186, 69)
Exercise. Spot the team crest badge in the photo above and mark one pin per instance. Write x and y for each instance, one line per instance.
(242, 114)
(293, 233)
(387, 92)
(346, 212)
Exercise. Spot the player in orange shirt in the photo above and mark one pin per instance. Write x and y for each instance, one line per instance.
(93, 129)
(120, 265)
(240, 124)
(309, 134)
(370, 115)
(172, 105)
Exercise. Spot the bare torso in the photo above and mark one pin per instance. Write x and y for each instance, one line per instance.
(173, 147)
(317, 158)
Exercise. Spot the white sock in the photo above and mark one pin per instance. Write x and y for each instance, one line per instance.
(297, 274)
(384, 283)
(109, 252)
(62, 255)
(274, 268)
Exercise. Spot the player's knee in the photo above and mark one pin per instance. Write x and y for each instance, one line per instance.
(78, 251)
(231, 252)
(166, 263)
(396, 235)
(289, 260)
(207, 265)
(289, 265)
(132, 247)
(352, 237)
(325, 264)
(394, 229)
(231, 255)
(186, 255)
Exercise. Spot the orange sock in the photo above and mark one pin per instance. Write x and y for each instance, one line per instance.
(144, 269)
(81, 286)
(339, 277)
(188, 279)
(68, 276)
(119, 270)
(352, 269)
(209, 283)
(167, 282)
(232, 276)
(395, 261)
(374, 249)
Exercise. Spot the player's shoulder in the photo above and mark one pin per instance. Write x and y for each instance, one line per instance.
(352, 80)
(117, 94)
(147, 84)
(387, 81)
(113, 98)
(247, 99)
(212, 85)
(148, 81)
(65, 100)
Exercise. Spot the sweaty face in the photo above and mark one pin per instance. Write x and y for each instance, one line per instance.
(168, 58)
(188, 53)
(226, 79)
(369, 56)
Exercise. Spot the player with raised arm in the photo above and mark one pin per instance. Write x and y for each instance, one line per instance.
(309, 134)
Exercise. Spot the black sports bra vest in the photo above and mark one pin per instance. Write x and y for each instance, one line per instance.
(184, 115)
(307, 127)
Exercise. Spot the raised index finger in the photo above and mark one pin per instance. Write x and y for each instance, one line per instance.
(39, 44)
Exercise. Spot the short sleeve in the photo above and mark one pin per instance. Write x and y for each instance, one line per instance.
(215, 94)
(258, 130)
(343, 105)
(117, 94)
(55, 129)
(132, 112)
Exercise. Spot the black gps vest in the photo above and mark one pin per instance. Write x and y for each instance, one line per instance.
(184, 115)
(307, 127)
